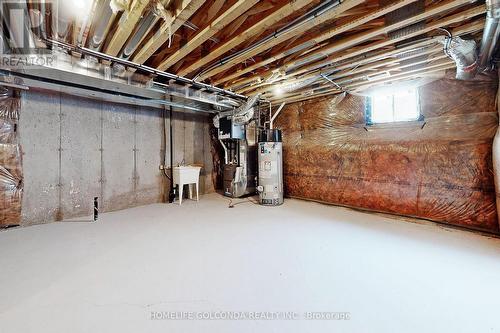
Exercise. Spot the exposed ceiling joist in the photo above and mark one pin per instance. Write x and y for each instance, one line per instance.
(220, 22)
(389, 73)
(331, 14)
(472, 27)
(126, 25)
(334, 91)
(444, 22)
(180, 14)
(439, 66)
(261, 45)
(468, 28)
(349, 42)
(362, 37)
(354, 74)
(318, 39)
(254, 30)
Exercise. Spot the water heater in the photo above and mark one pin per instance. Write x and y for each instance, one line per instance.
(270, 168)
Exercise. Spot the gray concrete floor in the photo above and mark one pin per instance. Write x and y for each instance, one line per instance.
(391, 276)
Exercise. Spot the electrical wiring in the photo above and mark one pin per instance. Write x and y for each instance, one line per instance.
(244, 201)
(447, 44)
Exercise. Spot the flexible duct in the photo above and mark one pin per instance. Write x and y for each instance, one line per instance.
(244, 118)
(242, 115)
(491, 33)
(463, 52)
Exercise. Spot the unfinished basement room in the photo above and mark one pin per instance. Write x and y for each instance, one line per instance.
(249, 166)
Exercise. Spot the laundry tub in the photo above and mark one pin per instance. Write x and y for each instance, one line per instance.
(187, 175)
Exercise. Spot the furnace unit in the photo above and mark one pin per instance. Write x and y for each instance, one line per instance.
(238, 136)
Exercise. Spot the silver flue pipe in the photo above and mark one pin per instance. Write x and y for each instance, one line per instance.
(491, 34)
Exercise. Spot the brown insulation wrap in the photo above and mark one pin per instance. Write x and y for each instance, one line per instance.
(10, 185)
(11, 176)
(439, 169)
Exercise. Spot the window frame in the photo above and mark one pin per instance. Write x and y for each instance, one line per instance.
(369, 108)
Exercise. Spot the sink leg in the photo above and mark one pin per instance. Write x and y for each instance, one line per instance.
(181, 190)
(190, 191)
(197, 192)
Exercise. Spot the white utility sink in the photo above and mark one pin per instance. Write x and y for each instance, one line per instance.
(187, 175)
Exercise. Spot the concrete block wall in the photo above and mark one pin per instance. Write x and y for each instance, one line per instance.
(75, 149)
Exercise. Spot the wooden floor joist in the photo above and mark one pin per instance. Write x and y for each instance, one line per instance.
(322, 37)
(254, 30)
(465, 29)
(442, 65)
(365, 59)
(220, 22)
(472, 27)
(334, 91)
(181, 13)
(125, 27)
(362, 37)
(393, 72)
(254, 49)
(444, 22)
(331, 14)
(364, 70)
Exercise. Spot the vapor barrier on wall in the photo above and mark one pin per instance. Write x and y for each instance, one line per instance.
(11, 175)
(438, 169)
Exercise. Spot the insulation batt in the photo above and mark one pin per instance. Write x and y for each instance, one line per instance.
(119, 5)
(11, 175)
(439, 170)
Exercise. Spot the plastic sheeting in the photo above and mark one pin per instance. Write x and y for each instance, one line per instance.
(11, 176)
(439, 169)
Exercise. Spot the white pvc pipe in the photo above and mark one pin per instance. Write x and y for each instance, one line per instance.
(273, 118)
(226, 157)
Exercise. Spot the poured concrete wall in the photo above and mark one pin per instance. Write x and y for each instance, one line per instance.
(76, 149)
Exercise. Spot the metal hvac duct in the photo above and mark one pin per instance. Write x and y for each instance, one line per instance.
(145, 26)
(491, 33)
(148, 22)
(103, 25)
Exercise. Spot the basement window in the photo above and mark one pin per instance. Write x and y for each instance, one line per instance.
(403, 106)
